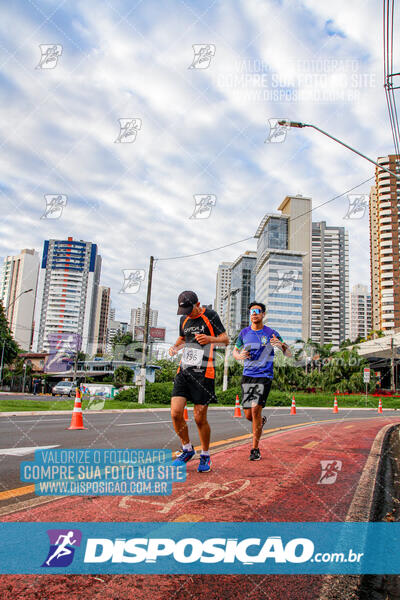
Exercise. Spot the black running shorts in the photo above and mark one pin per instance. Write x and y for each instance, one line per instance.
(255, 390)
(199, 390)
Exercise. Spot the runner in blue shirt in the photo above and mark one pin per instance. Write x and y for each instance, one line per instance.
(255, 345)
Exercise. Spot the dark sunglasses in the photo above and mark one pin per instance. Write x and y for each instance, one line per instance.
(255, 311)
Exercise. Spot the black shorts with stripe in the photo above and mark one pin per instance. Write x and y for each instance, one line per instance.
(255, 391)
(195, 388)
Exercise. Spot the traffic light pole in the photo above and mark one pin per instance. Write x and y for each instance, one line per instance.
(142, 381)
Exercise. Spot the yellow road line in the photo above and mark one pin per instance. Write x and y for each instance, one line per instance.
(311, 444)
(348, 427)
(265, 432)
(29, 489)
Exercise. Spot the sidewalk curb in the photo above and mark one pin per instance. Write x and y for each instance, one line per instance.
(360, 510)
(21, 413)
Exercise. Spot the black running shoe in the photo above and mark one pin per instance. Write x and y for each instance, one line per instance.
(255, 454)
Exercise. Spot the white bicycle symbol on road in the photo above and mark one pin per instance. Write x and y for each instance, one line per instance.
(202, 491)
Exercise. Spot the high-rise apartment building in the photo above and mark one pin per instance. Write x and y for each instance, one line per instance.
(283, 268)
(67, 293)
(20, 273)
(240, 293)
(101, 320)
(115, 328)
(222, 286)
(360, 312)
(138, 317)
(330, 284)
(384, 205)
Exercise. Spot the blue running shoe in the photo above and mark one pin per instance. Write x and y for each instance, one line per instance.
(205, 464)
(184, 457)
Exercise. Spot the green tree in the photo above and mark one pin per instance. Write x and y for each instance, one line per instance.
(122, 338)
(235, 368)
(346, 343)
(322, 353)
(167, 371)
(123, 375)
(11, 347)
(344, 372)
(305, 351)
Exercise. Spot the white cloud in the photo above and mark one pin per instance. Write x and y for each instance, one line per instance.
(202, 131)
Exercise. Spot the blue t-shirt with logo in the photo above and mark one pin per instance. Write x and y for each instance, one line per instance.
(257, 342)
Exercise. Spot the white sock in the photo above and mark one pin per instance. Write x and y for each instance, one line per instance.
(204, 453)
(187, 446)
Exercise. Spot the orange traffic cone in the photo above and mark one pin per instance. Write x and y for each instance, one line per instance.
(237, 408)
(185, 413)
(335, 406)
(293, 409)
(77, 419)
(380, 411)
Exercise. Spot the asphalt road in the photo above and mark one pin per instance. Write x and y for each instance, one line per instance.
(16, 397)
(134, 429)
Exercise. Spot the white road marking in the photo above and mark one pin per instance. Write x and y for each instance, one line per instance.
(143, 423)
(36, 420)
(24, 451)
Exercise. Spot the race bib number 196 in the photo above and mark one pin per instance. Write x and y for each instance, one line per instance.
(192, 357)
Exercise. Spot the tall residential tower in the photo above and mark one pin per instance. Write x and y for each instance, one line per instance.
(360, 312)
(384, 205)
(330, 284)
(223, 285)
(20, 273)
(67, 294)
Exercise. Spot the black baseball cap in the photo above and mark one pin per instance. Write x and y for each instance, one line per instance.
(186, 301)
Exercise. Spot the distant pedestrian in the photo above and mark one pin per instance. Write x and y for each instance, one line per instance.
(199, 330)
(36, 383)
(255, 345)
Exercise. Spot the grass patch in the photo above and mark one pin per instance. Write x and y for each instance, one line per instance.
(276, 398)
(16, 405)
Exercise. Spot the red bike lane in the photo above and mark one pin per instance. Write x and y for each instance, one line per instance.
(306, 474)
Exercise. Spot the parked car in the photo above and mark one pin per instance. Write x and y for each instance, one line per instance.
(64, 388)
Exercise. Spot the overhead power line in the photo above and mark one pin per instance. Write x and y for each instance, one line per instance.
(389, 74)
(252, 237)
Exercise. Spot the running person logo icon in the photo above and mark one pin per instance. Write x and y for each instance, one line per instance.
(329, 471)
(252, 394)
(62, 547)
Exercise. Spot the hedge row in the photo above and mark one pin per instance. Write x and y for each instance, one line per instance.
(160, 393)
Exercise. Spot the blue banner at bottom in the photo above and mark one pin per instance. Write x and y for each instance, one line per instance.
(213, 548)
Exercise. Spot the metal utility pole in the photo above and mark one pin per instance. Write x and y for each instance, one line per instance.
(392, 379)
(23, 380)
(1, 363)
(226, 360)
(142, 376)
(227, 349)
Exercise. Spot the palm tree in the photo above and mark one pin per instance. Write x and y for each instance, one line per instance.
(306, 350)
(322, 351)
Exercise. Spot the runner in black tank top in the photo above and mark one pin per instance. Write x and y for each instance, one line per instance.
(199, 331)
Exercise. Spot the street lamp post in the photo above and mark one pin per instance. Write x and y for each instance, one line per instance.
(226, 360)
(286, 123)
(24, 378)
(4, 341)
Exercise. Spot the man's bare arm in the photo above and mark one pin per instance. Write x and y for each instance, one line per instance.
(179, 344)
(219, 340)
(241, 354)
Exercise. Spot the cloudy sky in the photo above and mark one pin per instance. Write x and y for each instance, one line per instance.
(201, 122)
